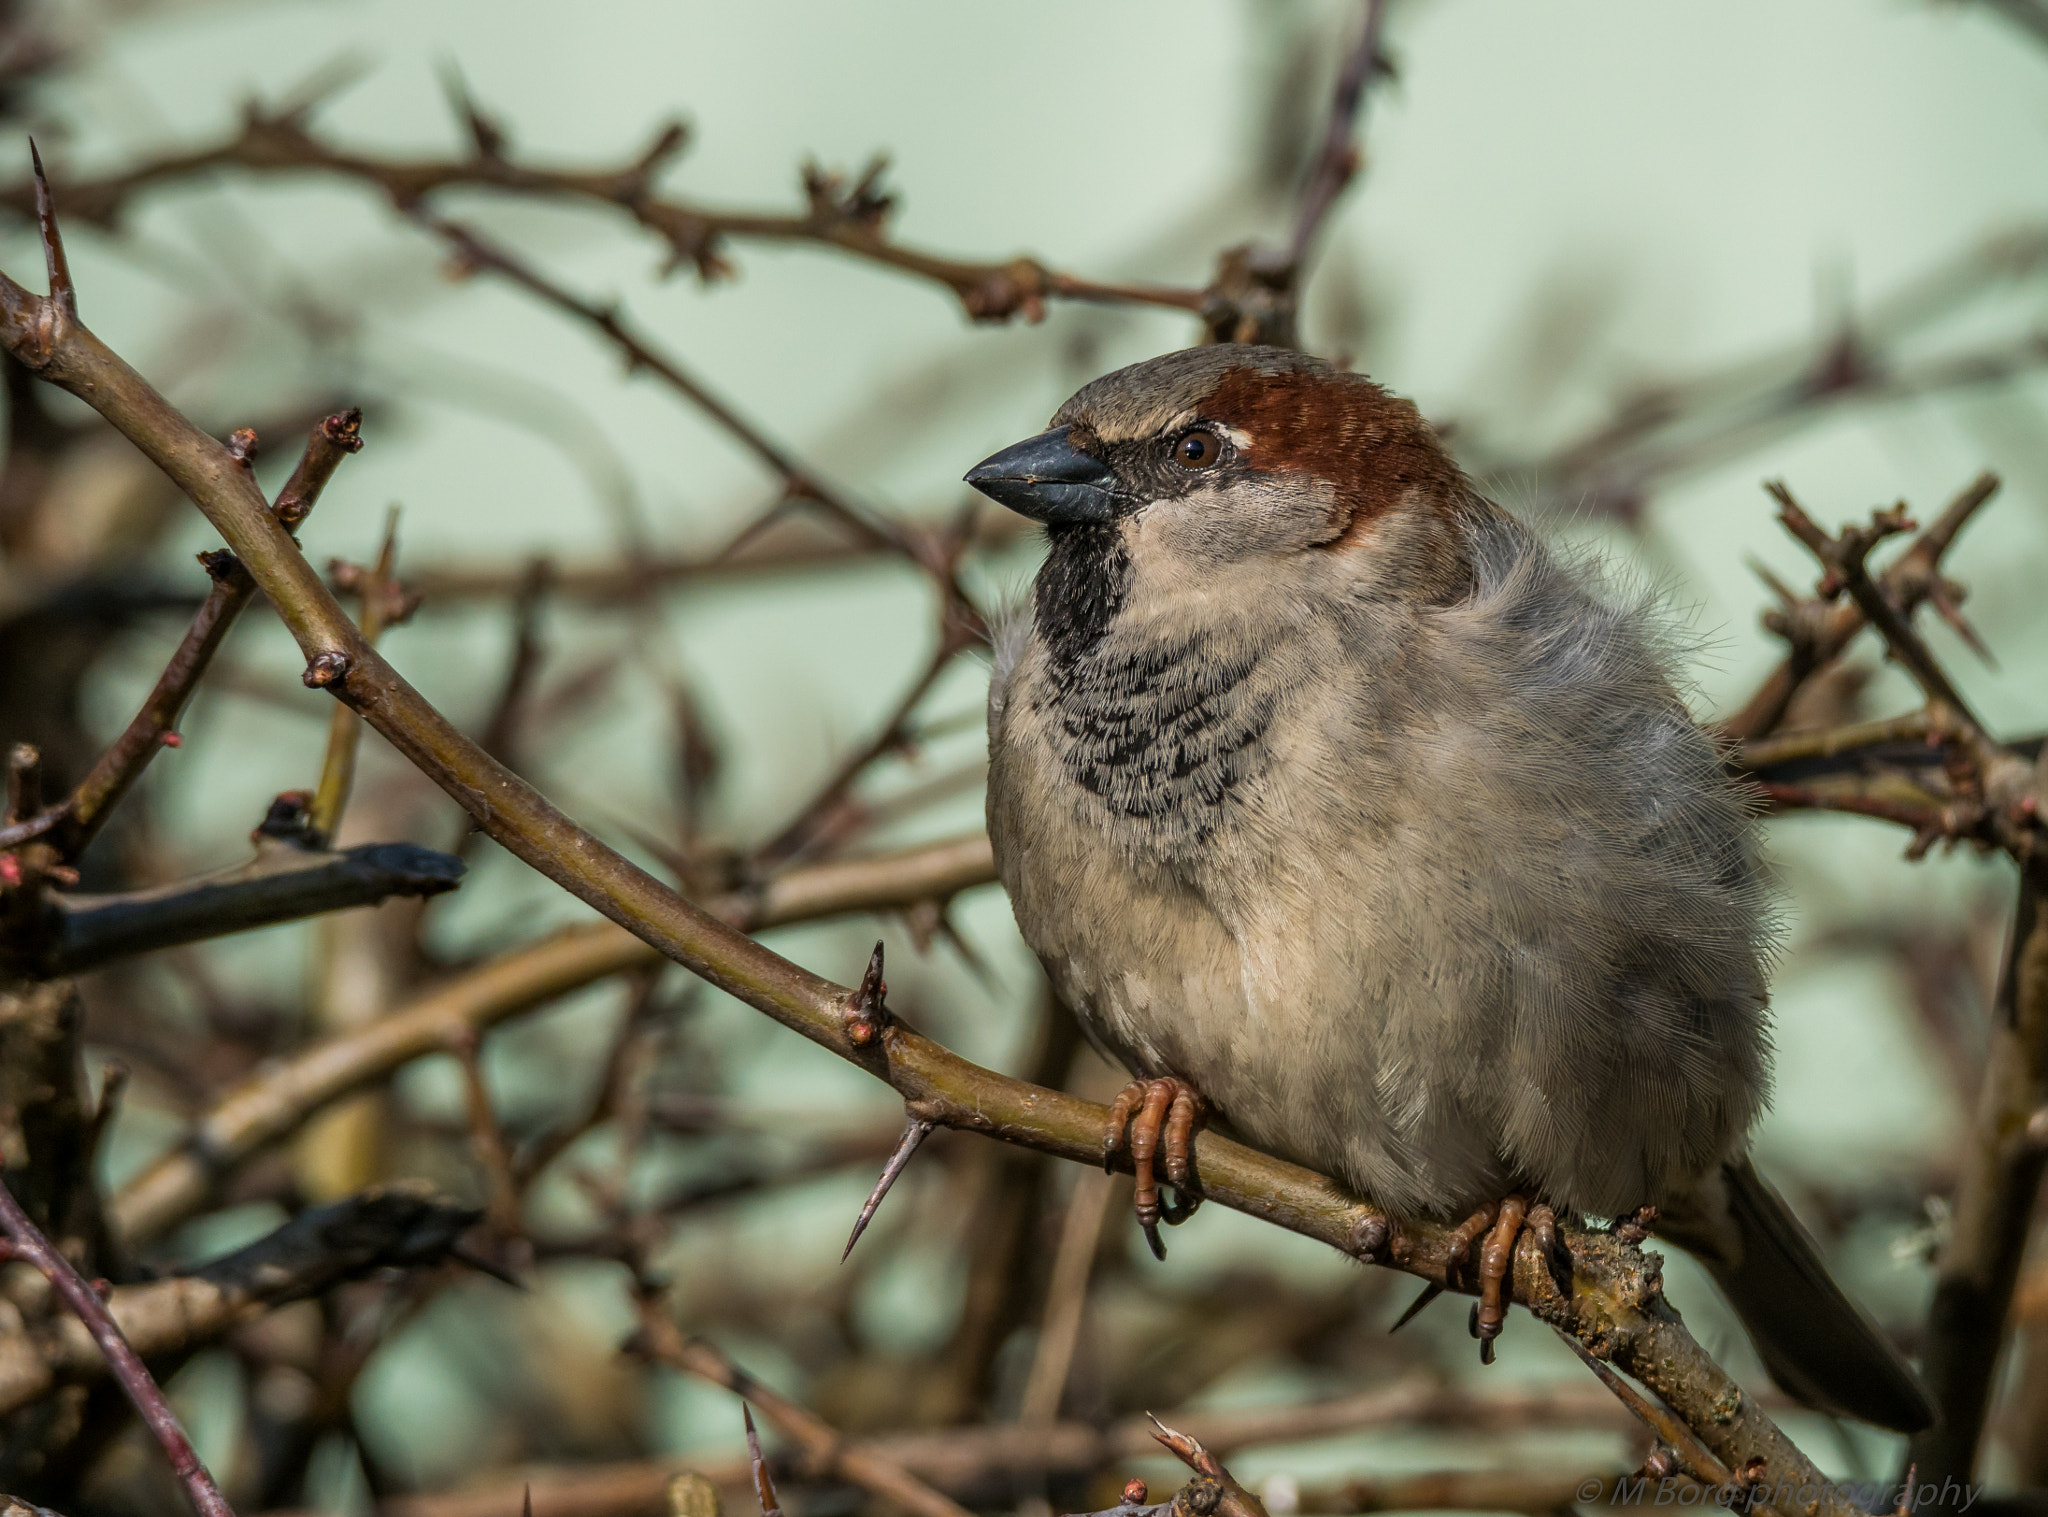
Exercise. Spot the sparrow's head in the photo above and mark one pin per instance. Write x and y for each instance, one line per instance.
(1227, 460)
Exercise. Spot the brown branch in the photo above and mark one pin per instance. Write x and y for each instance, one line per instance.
(640, 353)
(990, 1465)
(1336, 162)
(392, 1227)
(275, 1102)
(1845, 558)
(1993, 1207)
(852, 222)
(384, 605)
(74, 822)
(1686, 425)
(1833, 742)
(26, 1243)
(486, 1138)
(1819, 632)
(1618, 1307)
(825, 1451)
(797, 545)
(814, 823)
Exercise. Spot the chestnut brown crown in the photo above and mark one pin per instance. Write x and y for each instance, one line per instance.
(1199, 422)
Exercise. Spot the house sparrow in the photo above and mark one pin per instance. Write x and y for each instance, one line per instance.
(1339, 806)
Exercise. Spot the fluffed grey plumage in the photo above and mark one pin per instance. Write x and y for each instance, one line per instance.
(1322, 783)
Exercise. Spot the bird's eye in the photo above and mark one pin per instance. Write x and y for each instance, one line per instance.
(1196, 449)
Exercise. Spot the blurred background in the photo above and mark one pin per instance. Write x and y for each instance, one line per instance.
(1634, 260)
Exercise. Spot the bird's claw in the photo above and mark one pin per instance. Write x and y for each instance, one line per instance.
(1496, 1229)
(1157, 1120)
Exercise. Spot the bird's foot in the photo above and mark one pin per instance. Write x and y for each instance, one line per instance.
(1495, 1229)
(1157, 1119)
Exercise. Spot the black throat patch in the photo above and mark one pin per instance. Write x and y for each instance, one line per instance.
(1083, 584)
(1161, 731)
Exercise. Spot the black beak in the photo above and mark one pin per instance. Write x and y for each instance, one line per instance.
(1048, 479)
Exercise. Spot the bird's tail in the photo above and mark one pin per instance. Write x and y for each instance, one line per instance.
(1818, 1345)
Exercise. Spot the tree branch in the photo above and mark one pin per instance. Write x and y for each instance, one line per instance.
(276, 1101)
(26, 1243)
(1993, 1208)
(852, 220)
(282, 883)
(391, 1227)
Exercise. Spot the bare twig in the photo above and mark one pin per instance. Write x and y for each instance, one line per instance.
(849, 219)
(989, 1465)
(814, 823)
(382, 605)
(1993, 1209)
(1066, 1298)
(1818, 632)
(75, 821)
(825, 1451)
(1337, 159)
(1698, 1460)
(274, 1102)
(486, 1137)
(1845, 557)
(391, 1227)
(26, 1242)
(640, 353)
(914, 1134)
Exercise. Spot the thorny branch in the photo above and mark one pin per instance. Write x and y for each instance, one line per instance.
(1617, 1307)
(275, 1102)
(73, 822)
(391, 1227)
(852, 219)
(25, 1242)
(825, 1451)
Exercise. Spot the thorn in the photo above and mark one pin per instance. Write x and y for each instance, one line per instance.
(1429, 1293)
(1697, 1460)
(1944, 600)
(461, 1253)
(912, 1140)
(1188, 1451)
(62, 294)
(526, 1506)
(764, 1488)
(979, 967)
(484, 134)
(866, 1015)
(1772, 583)
(673, 137)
